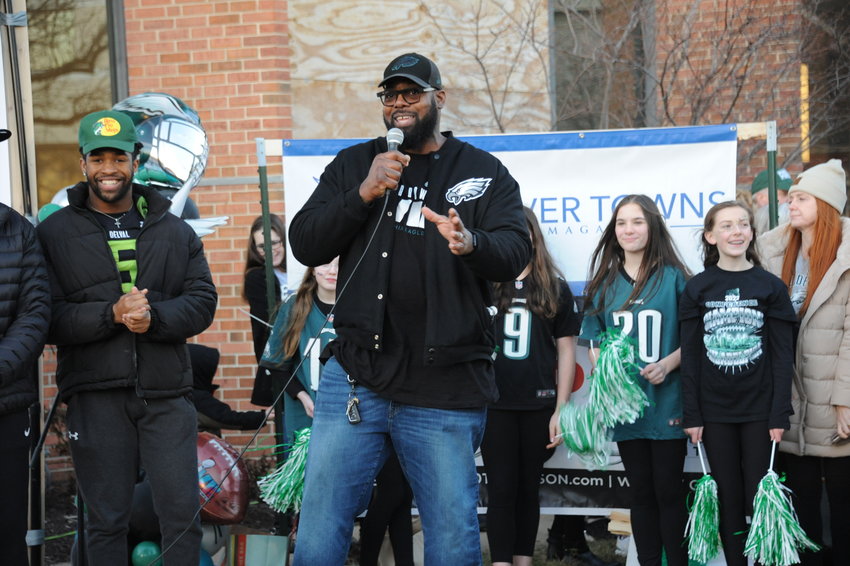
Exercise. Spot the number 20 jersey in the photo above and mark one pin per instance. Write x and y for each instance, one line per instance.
(652, 321)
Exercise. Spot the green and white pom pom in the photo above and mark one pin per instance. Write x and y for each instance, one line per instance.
(283, 489)
(614, 390)
(585, 436)
(703, 528)
(775, 533)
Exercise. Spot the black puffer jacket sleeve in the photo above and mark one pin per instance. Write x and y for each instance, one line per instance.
(24, 310)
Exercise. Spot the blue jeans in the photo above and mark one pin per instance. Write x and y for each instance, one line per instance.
(436, 449)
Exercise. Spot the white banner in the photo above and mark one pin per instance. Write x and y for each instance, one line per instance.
(572, 181)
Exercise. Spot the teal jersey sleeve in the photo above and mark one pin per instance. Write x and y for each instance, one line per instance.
(273, 356)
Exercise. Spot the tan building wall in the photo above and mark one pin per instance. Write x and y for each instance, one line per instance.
(493, 63)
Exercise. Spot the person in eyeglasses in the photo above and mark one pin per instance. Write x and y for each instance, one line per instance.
(420, 231)
(254, 286)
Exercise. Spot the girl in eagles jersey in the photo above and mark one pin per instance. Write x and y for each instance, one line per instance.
(535, 367)
(301, 331)
(737, 338)
(636, 278)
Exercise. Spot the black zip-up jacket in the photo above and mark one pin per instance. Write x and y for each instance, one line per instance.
(458, 321)
(94, 352)
(24, 311)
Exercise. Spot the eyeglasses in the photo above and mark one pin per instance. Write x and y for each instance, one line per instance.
(261, 248)
(410, 95)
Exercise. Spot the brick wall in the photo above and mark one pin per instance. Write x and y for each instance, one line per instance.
(230, 61)
(741, 52)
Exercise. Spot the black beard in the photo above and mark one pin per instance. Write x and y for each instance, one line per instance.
(421, 131)
(125, 188)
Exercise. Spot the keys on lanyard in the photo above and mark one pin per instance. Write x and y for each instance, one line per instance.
(351, 409)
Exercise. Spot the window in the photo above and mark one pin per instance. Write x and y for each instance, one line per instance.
(77, 66)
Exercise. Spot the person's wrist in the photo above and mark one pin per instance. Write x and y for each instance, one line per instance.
(472, 242)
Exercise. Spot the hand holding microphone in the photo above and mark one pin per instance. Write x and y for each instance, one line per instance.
(385, 172)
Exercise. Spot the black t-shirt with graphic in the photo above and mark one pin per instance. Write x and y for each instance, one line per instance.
(737, 348)
(526, 362)
(399, 372)
(121, 232)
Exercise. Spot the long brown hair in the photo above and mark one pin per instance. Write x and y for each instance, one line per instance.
(253, 259)
(543, 287)
(710, 254)
(822, 252)
(608, 257)
(299, 313)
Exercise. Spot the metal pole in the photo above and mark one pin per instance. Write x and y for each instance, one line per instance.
(271, 280)
(35, 533)
(771, 174)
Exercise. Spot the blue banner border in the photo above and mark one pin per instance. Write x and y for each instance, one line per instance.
(594, 139)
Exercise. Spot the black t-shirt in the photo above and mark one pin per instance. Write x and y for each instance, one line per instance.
(527, 359)
(122, 229)
(399, 372)
(737, 340)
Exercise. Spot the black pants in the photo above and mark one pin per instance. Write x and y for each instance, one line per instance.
(14, 476)
(659, 513)
(389, 508)
(111, 434)
(806, 477)
(514, 450)
(739, 455)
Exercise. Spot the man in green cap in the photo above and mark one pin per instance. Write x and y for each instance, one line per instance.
(761, 210)
(129, 284)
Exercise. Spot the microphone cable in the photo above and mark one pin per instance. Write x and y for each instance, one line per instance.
(313, 342)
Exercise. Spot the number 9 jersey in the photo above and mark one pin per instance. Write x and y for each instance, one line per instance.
(527, 355)
(652, 321)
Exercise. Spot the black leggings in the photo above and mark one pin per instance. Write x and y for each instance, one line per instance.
(806, 476)
(514, 450)
(739, 455)
(14, 476)
(389, 508)
(656, 484)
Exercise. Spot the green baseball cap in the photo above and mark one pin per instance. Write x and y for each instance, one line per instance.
(107, 128)
(783, 181)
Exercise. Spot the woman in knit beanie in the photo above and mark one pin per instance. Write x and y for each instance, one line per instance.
(811, 253)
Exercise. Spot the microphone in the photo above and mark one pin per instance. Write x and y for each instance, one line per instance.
(394, 139)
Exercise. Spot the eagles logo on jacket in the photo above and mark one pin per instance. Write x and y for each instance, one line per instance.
(459, 318)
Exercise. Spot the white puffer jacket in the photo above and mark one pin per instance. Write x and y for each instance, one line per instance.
(822, 360)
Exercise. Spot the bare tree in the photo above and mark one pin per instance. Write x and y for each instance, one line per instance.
(69, 60)
(637, 63)
(507, 43)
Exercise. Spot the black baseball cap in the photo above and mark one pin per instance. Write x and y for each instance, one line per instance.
(5, 134)
(414, 67)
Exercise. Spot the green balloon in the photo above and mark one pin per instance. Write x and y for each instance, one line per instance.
(145, 552)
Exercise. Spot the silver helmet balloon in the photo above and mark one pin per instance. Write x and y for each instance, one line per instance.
(174, 144)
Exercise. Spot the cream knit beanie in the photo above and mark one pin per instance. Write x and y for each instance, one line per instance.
(826, 182)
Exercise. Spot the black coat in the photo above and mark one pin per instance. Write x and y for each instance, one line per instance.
(459, 321)
(94, 352)
(24, 310)
(255, 292)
